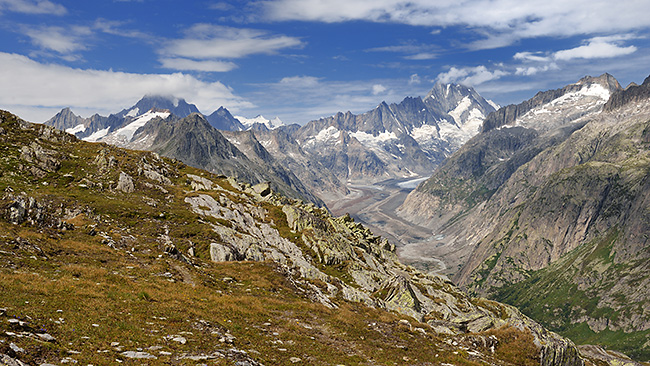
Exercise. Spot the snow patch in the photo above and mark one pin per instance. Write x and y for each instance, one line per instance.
(323, 136)
(97, 135)
(411, 184)
(425, 133)
(462, 106)
(128, 130)
(494, 105)
(458, 134)
(133, 112)
(76, 129)
(367, 139)
(271, 124)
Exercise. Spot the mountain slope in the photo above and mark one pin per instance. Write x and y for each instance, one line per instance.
(287, 153)
(111, 254)
(221, 119)
(205, 147)
(563, 234)
(476, 171)
(196, 143)
(397, 140)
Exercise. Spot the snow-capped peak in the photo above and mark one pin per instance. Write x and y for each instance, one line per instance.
(128, 130)
(269, 123)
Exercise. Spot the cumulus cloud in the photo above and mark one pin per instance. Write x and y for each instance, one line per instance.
(470, 76)
(533, 70)
(38, 89)
(378, 89)
(598, 47)
(500, 22)
(300, 81)
(205, 46)
(32, 7)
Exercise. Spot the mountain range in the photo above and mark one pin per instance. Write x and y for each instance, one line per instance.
(539, 204)
(402, 140)
(546, 209)
(114, 255)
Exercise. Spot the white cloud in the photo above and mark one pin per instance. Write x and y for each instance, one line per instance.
(422, 56)
(470, 76)
(532, 70)
(598, 47)
(531, 56)
(205, 41)
(414, 79)
(192, 65)
(38, 89)
(222, 6)
(32, 7)
(65, 41)
(300, 81)
(378, 89)
(413, 50)
(499, 22)
(116, 28)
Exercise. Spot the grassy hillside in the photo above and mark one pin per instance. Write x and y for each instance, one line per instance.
(106, 257)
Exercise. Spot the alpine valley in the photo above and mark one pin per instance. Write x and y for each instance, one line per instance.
(230, 240)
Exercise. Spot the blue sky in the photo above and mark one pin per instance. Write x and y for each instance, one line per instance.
(304, 59)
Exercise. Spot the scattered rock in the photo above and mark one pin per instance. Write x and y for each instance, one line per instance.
(125, 183)
(221, 253)
(138, 354)
(263, 189)
(15, 348)
(5, 360)
(46, 337)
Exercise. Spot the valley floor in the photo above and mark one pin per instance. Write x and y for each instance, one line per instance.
(375, 205)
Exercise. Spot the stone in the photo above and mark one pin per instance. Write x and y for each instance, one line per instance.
(221, 253)
(263, 189)
(5, 360)
(46, 337)
(125, 183)
(138, 354)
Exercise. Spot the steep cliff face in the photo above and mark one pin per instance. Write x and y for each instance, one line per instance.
(563, 231)
(175, 264)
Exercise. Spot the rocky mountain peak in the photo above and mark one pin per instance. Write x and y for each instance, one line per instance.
(633, 93)
(177, 106)
(64, 120)
(565, 105)
(222, 119)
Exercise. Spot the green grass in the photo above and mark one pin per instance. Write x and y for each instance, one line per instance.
(552, 297)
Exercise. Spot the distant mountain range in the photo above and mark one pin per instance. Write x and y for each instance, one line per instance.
(402, 140)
